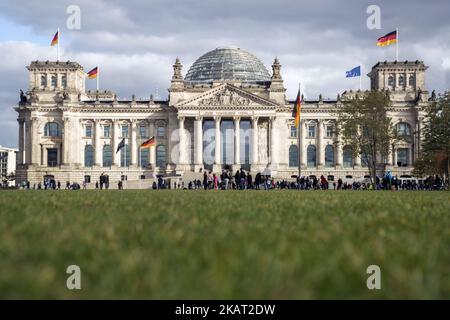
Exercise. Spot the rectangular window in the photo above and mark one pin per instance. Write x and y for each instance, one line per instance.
(125, 131)
(402, 157)
(87, 179)
(293, 132)
(329, 131)
(88, 131)
(311, 131)
(3, 161)
(64, 81)
(143, 131)
(52, 157)
(106, 131)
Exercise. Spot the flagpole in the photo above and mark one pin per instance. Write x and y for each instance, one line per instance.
(298, 139)
(57, 46)
(360, 72)
(98, 78)
(140, 166)
(396, 45)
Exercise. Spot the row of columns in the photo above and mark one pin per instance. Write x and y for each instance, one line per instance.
(131, 142)
(198, 140)
(320, 146)
(30, 149)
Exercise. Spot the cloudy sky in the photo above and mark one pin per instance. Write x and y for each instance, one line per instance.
(136, 42)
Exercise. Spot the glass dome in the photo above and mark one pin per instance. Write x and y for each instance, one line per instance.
(227, 64)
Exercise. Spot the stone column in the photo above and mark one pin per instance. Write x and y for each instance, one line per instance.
(358, 160)
(97, 157)
(152, 149)
(20, 154)
(410, 153)
(394, 153)
(254, 141)
(217, 153)
(273, 143)
(182, 146)
(338, 159)
(66, 141)
(237, 141)
(418, 138)
(34, 145)
(320, 145)
(390, 156)
(28, 142)
(303, 145)
(116, 141)
(49, 81)
(133, 144)
(198, 145)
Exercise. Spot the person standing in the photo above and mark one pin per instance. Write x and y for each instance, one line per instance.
(205, 180)
(249, 181)
(215, 182)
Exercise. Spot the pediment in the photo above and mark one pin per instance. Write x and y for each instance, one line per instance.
(226, 96)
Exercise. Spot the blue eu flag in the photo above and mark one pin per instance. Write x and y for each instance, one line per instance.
(355, 72)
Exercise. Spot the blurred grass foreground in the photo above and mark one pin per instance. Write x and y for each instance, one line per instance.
(145, 244)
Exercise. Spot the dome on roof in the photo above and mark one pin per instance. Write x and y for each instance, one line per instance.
(227, 64)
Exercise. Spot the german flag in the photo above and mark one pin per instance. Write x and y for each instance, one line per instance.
(55, 39)
(149, 143)
(388, 39)
(296, 111)
(93, 73)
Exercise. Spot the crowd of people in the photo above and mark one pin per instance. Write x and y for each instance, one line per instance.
(241, 180)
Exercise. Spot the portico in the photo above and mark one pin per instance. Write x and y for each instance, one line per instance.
(222, 141)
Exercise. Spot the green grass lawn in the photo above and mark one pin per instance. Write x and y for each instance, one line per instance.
(224, 245)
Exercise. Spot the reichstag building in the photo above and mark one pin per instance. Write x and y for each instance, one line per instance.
(227, 112)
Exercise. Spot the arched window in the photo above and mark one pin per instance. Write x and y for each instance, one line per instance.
(347, 156)
(53, 80)
(107, 156)
(311, 156)
(125, 156)
(88, 156)
(293, 156)
(329, 156)
(391, 81)
(160, 156)
(144, 158)
(401, 81)
(44, 80)
(403, 129)
(52, 129)
(411, 81)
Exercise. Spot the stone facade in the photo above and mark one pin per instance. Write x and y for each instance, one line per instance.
(70, 134)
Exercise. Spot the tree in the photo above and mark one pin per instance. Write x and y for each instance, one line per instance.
(434, 158)
(363, 124)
